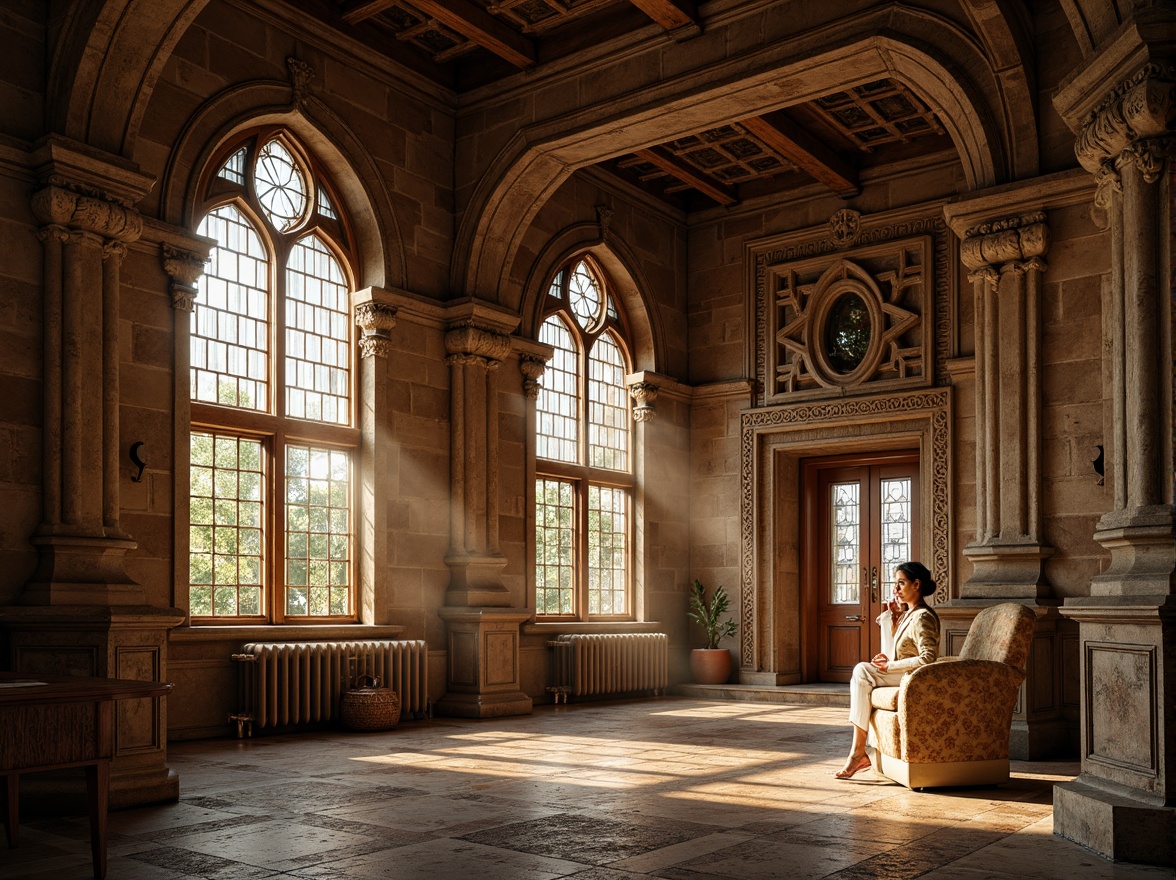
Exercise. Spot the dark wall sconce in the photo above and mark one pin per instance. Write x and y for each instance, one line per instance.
(138, 459)
(1096, 460)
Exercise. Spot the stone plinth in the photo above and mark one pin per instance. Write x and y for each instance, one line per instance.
(1123, 804)
(483, 663)
(107, 642)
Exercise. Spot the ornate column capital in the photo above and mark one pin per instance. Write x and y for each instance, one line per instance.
(643, 394)
(1138, 108)
(1150, 155)
(86, 209)
(184, 268)
(376, 320)
(470, 343)
(1008, 239)
(532, 366)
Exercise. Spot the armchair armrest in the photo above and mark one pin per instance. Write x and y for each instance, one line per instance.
(957, 711)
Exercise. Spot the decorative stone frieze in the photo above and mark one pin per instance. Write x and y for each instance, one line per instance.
(376, 320)
(1005, 240)
(643, 394)
(184, 268)
(532, 366)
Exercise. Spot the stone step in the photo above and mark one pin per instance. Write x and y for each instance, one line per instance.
(816, 694)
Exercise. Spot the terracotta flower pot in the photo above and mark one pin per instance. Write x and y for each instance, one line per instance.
(710, 665)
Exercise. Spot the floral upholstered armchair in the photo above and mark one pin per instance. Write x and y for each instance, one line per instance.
(948, 722)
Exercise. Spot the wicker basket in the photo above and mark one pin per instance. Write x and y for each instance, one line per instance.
(369, 707)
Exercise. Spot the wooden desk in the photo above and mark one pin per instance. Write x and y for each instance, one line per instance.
(62, 721)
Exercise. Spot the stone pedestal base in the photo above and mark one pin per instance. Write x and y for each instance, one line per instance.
(482, 672)
(1118, 827)
(1043, 725)
(108, 642)
(1122, 805)
(1006, 571)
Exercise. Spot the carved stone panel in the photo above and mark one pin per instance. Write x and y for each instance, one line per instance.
(841, 322)
(857, 307)
(1121, 719)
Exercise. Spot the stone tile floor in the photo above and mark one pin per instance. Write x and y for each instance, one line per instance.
(674, 788)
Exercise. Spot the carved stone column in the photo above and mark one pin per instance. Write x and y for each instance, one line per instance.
(376, 320)
(482, 672)
(1005, 257)
(474, 356)
(80, 540)
(1123, 804)
(81, 613)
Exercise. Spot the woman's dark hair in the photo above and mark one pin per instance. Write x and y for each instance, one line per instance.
(916, 571)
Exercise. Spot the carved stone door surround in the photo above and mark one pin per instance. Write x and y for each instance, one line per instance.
(774, 441)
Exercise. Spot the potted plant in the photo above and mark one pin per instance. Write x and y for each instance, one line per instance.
(712, 664)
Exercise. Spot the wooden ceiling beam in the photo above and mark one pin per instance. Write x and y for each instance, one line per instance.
(689, 175)
(363, 9)
(805, 151)
(475, 23)
(670, 14)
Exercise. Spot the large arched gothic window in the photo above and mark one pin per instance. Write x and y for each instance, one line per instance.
(583, 454)
(271, 523)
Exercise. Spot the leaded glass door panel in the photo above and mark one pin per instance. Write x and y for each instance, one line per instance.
(862, 519)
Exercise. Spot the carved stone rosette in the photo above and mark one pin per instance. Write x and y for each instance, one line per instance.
(376, 320)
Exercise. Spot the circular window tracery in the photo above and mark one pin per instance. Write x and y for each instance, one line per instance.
(584, 295)
(280, 185)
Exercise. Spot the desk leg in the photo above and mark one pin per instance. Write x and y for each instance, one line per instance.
(10, 792)
(98, 789)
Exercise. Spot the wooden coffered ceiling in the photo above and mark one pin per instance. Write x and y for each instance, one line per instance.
(465, 44)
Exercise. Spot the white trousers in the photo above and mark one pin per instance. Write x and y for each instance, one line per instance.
(865, 678)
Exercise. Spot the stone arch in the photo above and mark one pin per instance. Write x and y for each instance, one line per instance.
(1092, 21)
(645, 332)
(105, 66)
(352, 169)
(939, 61)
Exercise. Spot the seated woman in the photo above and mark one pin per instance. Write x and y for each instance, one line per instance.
(915, 632)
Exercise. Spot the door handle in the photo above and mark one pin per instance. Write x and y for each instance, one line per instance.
(856, 617)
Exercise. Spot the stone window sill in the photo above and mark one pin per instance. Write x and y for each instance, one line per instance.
(283, 633)
(563, 627)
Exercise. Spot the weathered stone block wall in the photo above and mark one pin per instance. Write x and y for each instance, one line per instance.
(20, 377)
(1077, 410)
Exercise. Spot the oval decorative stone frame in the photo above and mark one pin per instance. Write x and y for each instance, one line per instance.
(844, 278)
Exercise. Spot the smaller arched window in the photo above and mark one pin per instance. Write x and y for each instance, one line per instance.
(271, 523)
(583, 453)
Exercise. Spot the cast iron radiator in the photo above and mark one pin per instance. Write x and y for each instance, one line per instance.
(583, 665)
(287, 683)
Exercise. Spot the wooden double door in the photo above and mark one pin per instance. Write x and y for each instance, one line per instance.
(861, 519)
